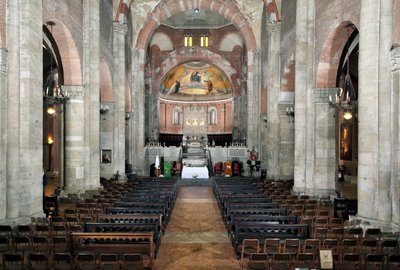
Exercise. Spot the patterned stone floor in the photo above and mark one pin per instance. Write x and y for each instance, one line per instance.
(196, 237)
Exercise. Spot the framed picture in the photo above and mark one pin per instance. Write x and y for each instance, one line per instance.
(345, 142)
(106, 156)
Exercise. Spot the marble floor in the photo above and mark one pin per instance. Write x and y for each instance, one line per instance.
(196, 237)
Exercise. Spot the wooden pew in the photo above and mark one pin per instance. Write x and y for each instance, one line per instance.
(263, 230)
(131, 218)
(246, 218)
(153, 227)
(119, 243)
(257, 211)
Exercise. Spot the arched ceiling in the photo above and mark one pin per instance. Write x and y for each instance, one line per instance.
(196, 19)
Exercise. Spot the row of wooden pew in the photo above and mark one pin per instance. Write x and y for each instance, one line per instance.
(249, 213)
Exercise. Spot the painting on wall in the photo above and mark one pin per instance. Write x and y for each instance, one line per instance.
(196, 78)
(106, 156)
(345, 142)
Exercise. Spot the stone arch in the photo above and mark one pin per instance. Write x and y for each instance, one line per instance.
(230, 41)
(198, 54)
(165, 9)
(272, 10)
(163, 42)
(106, 91)
(70, 60)
(330, 55)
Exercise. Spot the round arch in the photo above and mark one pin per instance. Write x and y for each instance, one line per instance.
(330, 55)
(106, 91)
(69, 55)
(167, 8)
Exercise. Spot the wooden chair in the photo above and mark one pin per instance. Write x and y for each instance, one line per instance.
(86, 261)
(248, 247)
(258, 261)
(13, 261)
(272, 246)
(350, 261)
(292, 246)
(63, 261)
(304, 260)
(281, 261)
(38, 261)
(393, 262)
(312, 246)
(109, 262)
(132, 262)
(374, 262)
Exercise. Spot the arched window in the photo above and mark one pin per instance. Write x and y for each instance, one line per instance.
(188, 41)
(204, 41)
(212, 116)
(176, 116)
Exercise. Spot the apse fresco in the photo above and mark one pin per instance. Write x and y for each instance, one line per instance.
(196, 79)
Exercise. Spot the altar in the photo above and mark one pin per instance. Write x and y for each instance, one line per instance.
(194, 172)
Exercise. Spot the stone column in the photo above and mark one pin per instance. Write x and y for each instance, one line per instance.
(325, 159)
(254, 98)
(138, 123)
(395, 175)
(74, 150)
(303, 152)
(374, 203)
(286, 142)
(30, 108)
(91, 63)
(3, 132)
(274, 79)
(119, 91)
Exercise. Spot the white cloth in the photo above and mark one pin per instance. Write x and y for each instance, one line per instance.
(157, 165)
(195, 172)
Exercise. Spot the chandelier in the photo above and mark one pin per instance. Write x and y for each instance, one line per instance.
(346, 98)
(53, 94)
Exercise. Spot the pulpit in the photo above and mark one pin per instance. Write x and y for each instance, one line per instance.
(228, 169)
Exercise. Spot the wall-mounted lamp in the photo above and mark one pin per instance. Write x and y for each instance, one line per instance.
(104, 109)
(51, 110)
(290, 112)
(50, 140)
(265, 119)
(196, 10)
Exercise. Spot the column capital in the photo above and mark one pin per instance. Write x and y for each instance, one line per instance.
(321, 95)
(273, 27)
(395, 58)
(284, 107)
(120, 28)
(3, 61)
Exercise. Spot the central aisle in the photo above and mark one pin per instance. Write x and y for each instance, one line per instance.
(196, 237)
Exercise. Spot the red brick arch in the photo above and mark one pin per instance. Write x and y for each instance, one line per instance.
(272, 9)
(71, 63)
(330, 55)
(167, 8)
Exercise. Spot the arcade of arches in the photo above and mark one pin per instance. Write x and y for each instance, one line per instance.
(130, 80)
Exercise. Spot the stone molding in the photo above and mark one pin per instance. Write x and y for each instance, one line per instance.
(321, 95)
(273, 27)
(120, 28)
(395, 58)
(3, 61)
(283, 107)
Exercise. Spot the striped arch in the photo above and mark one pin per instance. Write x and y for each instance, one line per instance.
(273, 11)
(330, 56)
(122, 10)
(168, 8)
